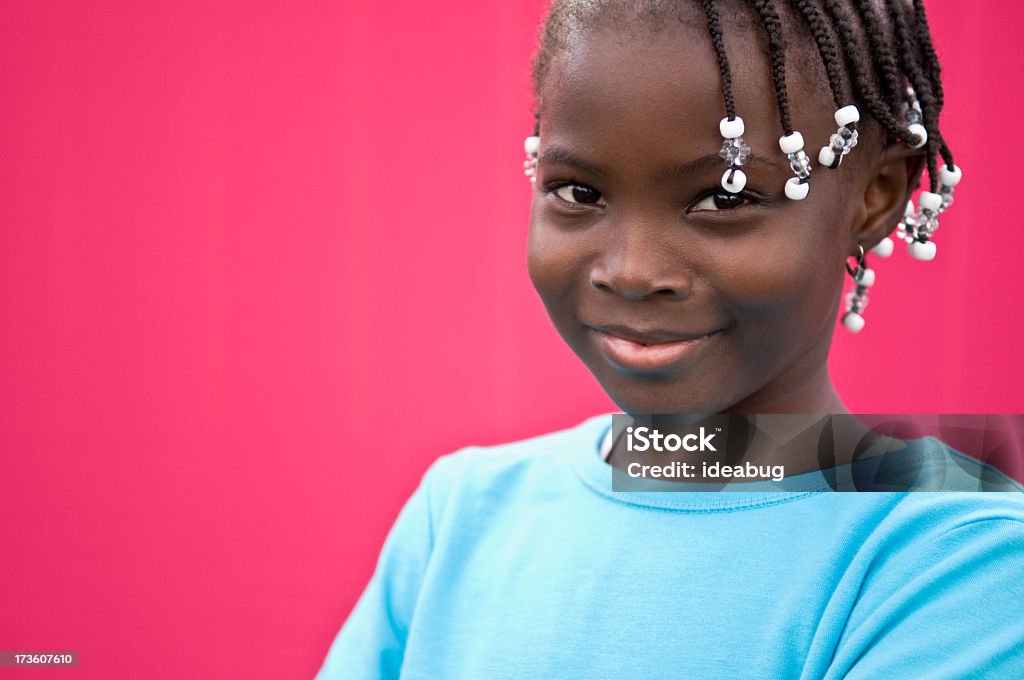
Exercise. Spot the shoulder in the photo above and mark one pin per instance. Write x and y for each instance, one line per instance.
(942, 578)
(964, 534)
(484, 466)
(493, 475)
(928, 464)
(935, 513)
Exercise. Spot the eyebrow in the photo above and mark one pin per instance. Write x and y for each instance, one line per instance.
(561, 155)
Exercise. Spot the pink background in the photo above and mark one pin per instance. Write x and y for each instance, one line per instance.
(242, 240)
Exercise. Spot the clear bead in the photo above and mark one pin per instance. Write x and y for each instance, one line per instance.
(910, 112)
(947, 197)
(800, 164)
(856, 303)
(925, 223)
(735, 151)
(530, 168)
(842, 141)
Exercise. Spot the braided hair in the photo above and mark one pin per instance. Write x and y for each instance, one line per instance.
(871, 51)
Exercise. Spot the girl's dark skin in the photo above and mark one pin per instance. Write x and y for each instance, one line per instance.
(624, 229)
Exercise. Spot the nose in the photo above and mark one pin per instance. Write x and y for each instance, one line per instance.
(638, 265)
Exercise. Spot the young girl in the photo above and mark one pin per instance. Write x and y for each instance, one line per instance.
(705, 176)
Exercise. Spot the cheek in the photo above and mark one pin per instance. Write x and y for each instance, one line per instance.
(783, 280)
(553, 261)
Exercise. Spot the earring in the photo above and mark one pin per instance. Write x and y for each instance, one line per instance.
(843, 140)
(857, 299)
(735, 151)
(920, 226)
(531, 146)
(793, 146)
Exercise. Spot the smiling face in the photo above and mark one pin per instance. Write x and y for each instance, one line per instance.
(678, 296)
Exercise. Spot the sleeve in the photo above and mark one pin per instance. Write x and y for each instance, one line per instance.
(951, 609)
(371, 643)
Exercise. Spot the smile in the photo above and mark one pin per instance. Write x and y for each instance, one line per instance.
(639, 353)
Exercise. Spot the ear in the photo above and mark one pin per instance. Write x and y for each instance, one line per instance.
(895, 176)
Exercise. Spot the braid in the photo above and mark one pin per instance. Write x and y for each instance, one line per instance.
(859, 70)
(826, 46)
(715, 28)
(907, 48)
(773, 27)
(870, 50)
(923, 87)
(881, 49)
(924, 40)
(922, 36)
(933, 167)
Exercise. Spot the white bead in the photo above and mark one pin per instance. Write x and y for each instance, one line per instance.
(866, 278)
(930, 201)
(826, 157)
(846, 115)
(792, 142)
(910, 209)
(916, 129)
(922, 251)
(739, 180)
(853, 321)
(950, 177)
(532, 145)
(795, 190)
(884, 247)
(731, 129)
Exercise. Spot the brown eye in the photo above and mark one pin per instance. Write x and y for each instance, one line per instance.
(578, 193)
(720, 200)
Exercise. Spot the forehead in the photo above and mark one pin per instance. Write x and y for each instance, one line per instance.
(659, 80)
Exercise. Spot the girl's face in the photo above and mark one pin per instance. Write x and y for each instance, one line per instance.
(677, 296)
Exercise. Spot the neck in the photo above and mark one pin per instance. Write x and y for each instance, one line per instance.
(806, 390)
(814, 395)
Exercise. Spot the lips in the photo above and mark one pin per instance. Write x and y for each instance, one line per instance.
(648, 350)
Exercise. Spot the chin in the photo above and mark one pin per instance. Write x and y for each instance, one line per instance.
(649, 394)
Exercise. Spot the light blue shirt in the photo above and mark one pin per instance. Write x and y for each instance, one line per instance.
(520, 561)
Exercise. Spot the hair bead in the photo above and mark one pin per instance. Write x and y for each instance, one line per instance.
(884, 247)
(796, 190)
(847, 115)
(843, 140)
(793, 146)
(532, 147)
(950, 178)
(734, 152)
(922, 250)
(731, 128)
(920, 132)
(734, 180)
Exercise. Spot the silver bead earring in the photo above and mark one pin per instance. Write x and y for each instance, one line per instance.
(857, 299)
